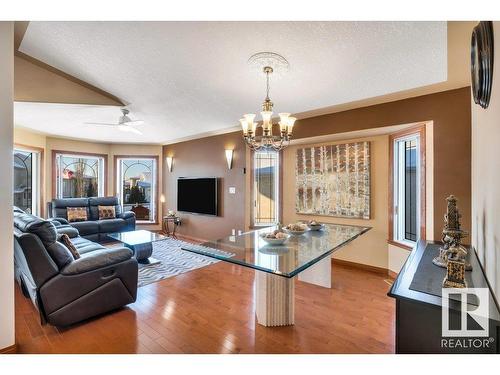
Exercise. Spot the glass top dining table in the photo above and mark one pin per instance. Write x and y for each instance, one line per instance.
(297, 254)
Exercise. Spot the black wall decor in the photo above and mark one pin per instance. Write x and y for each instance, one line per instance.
(481, 54)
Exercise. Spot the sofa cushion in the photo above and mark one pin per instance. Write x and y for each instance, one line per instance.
(59, 206)
(94, 204)
(60, 254)
(86, 227)
(98, 259)
(111, 225)
(85, 246)
(107, 212)
(75, 214)
(72, 248)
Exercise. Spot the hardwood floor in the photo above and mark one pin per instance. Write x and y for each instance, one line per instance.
(211, 310)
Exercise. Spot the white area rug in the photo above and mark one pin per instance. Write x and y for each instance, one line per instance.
(174, 261)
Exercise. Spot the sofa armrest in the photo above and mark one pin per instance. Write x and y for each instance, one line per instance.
(97, 259)
(127, 215)
(129, 218)
(59, 221)
(72, 232)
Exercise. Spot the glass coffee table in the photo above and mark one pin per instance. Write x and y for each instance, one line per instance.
(306, 256)
(140, 242)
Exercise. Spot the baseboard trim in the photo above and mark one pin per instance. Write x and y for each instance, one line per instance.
(365, 267)
(392, 274)
(9, 350)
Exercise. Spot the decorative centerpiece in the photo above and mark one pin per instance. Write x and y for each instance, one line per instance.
(314, 225)
(452, 235)
(296, 229)
(276, 237)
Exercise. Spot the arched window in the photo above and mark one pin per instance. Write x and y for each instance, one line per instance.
(79, 176)
(23, 180)
(136, 187)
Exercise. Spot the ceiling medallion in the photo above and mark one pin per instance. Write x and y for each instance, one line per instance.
(268, 63)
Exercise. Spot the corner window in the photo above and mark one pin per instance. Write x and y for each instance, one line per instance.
(266, 188)
(137, 185)
(27, 180)
(406, 188)
(79, 176)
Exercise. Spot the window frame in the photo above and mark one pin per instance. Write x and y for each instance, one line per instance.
(37, 201)
(279, 190)
(156, 199)
(419, 131)
(55, 153)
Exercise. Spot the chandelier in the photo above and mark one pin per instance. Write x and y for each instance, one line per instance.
(268, 62)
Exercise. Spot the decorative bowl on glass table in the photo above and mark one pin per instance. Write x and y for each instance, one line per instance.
(275, 238)
(314, 225)
(296, 229)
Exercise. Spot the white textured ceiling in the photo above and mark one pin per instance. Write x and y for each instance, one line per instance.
(188, 78)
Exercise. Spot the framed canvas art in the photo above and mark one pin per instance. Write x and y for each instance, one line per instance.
(334, 180)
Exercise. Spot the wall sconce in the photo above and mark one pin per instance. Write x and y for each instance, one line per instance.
(170, 161)
(162, 198)
(229, 158)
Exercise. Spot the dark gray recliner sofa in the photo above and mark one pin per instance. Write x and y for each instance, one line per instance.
(93, 229)
(65, 290)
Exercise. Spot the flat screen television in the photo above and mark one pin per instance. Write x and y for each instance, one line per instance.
(197, 195)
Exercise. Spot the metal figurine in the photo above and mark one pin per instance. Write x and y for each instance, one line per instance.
(455, 268)
(452, 237)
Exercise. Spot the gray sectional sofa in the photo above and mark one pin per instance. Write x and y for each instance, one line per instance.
(65, 290)
(93, 229)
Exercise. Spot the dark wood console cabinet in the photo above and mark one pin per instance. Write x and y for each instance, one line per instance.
(419, 313)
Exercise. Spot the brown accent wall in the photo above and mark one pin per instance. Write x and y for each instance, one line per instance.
(450, 112)
(205, 157)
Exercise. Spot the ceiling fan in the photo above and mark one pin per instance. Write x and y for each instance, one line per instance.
(125, 123)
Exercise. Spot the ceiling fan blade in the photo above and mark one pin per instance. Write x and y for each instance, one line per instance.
(129, 129)
(99, 123)
(134, 122)
(134, 130)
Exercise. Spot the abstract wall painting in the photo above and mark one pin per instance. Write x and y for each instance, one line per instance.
(334, 180)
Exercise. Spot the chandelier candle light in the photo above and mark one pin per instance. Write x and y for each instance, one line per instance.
(267, 140)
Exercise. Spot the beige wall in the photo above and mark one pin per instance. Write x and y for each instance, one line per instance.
(7, 336)
(371, 248)
(486, 177)
(28, 138)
